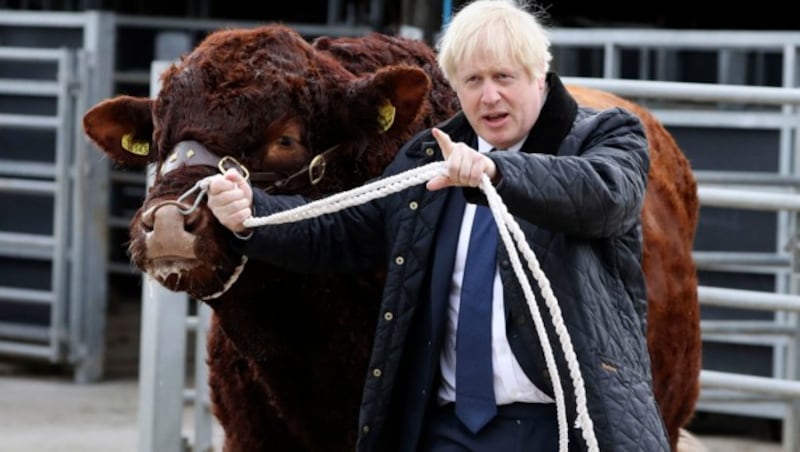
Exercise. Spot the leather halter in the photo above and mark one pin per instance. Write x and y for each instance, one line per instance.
(193, 153)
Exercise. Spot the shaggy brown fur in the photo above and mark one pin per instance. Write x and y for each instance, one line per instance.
(288, 352)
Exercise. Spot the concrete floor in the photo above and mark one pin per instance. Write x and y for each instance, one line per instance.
(53, 414)
(43, 413)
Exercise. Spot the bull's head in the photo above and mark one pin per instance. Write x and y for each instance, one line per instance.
(261, 100)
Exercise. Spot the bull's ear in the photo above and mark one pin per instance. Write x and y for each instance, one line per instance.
(393, 97)
(122, 127)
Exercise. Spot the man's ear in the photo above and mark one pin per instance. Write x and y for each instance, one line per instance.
(389, 101)
(122, 127)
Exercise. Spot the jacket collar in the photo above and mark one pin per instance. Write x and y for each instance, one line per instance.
(554, 122)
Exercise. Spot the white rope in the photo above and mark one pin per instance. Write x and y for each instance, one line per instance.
(353, 197)
(230, 282)
(507, 227)
(509, 224)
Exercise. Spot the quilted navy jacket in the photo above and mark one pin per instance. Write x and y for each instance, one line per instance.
(576, 189)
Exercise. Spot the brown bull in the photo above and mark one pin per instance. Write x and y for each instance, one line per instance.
(288, 352)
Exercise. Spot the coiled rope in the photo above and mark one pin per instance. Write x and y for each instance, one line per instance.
(510, 233)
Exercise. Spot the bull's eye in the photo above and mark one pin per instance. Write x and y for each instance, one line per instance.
(286, 141)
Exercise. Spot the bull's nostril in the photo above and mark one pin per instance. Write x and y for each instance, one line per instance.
(147, 221)
(167, 217)
(169, 237)
(192, 221)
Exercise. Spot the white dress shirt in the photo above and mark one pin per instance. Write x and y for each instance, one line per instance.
(510, 382)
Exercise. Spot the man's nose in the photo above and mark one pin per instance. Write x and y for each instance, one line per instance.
(490, 93)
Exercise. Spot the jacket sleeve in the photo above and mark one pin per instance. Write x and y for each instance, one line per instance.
(594, 187)
(347, 240)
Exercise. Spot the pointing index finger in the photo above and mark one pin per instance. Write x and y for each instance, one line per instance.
(444, 141)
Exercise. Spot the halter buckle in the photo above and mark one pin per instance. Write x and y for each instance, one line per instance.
(316, 169)
(228, 162)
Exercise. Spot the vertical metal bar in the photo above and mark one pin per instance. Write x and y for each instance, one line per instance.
(661, 65)
(202, 401)
(790, 420)
(789, 147)
(376, 14)
(333, 11)
(77, 292)
(723, 65)
(791, 434)
(611, 57)
(61, 201)
(786, 226)
(644, 64)
(161, 368)
(669, 65)
(789, 163)
(91, 188)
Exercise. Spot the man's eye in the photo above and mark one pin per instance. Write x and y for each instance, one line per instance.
(285, 141)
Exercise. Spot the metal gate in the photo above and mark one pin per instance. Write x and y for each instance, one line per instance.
(52, 196)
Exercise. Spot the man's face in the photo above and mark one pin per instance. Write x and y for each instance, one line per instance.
(499, 99)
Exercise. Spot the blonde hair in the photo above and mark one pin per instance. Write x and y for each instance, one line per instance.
(504, 30)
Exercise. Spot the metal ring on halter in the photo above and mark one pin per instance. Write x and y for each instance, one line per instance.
(317, 165)
(232, 163)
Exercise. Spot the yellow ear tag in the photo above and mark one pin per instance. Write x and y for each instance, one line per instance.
(386, 116)
(135, 147)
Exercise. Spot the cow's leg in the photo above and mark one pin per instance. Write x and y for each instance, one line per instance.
(673, 309)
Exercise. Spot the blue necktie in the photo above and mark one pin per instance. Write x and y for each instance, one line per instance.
(475, 402)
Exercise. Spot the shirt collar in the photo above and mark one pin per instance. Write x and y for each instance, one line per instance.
(484, 146)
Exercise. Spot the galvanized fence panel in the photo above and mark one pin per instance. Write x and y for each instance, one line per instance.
(49, 179)
(79, 45)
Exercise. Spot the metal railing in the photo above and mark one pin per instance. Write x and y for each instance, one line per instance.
(781, 390)
(52, 180)
(655, 52)
(79, 46)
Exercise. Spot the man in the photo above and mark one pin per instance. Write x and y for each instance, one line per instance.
(573, 178)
